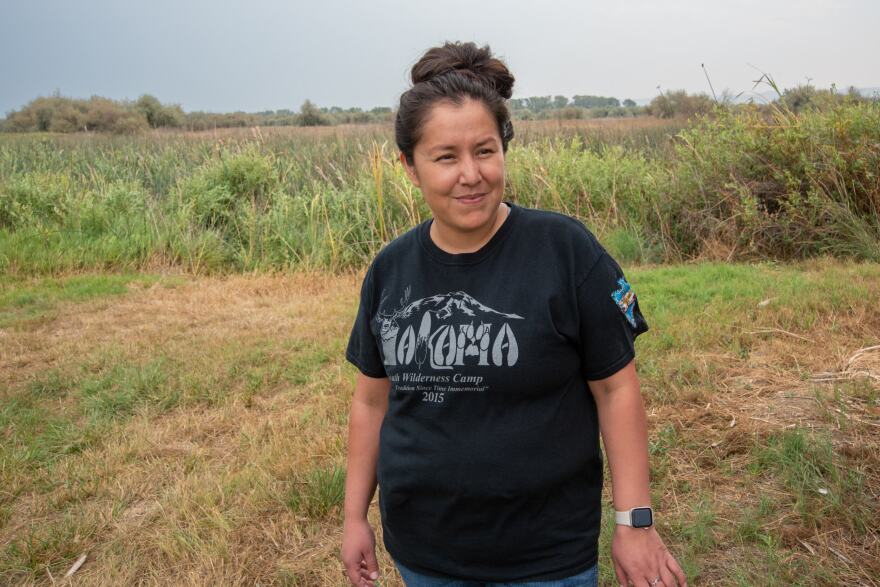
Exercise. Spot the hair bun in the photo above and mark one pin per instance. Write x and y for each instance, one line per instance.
(466, 59)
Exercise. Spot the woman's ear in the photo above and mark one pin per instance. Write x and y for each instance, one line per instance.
(410, 170)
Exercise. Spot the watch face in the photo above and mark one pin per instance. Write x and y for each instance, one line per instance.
(642, 518)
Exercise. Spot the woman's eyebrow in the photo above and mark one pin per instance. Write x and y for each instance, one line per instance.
(453, 147)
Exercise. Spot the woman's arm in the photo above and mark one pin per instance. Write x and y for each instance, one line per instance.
(639, 554)
(368, 406)
(625, 433)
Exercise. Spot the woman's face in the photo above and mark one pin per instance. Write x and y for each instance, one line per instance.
(459, 165)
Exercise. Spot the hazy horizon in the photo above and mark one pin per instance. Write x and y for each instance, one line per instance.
(269, 55)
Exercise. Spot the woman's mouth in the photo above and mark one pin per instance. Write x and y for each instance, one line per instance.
(471, 198)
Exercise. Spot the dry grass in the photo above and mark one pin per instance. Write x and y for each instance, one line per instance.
(202, 492)
(526, 130)
(769, 393)
(196, 496)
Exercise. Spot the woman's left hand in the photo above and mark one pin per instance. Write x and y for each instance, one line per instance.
(640, 557)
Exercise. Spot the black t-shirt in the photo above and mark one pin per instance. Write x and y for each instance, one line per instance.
(489, 463)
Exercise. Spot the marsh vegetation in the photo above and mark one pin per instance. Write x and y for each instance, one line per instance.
(174, 309)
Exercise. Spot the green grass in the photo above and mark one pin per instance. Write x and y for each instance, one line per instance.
(61, 415)
(54, 546)
(319, 493)
(821, 485)
(727, 295)
(43, 433)
(24, 299)
(751, 522)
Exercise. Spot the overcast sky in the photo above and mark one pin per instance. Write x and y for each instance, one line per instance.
(268, 54)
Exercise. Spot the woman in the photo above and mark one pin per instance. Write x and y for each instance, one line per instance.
(493, 343)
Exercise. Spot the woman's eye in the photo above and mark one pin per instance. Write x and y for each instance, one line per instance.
(486, 151)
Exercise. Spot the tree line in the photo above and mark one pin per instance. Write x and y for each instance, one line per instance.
(62, 114)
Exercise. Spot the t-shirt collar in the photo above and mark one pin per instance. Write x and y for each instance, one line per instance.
(471, 258)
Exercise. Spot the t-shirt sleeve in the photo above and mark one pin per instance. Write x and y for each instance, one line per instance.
(610, 319)
(363, 348)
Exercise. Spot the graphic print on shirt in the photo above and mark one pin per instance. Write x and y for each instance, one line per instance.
(625, 297)
(448, 333)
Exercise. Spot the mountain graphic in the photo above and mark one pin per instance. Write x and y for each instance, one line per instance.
(447, 305)
(446, 335)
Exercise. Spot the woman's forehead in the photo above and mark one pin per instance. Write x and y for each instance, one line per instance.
(448, 124)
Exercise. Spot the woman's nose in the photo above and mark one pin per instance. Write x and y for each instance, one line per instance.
(470, 171)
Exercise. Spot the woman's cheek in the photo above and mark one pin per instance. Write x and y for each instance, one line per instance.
(494, 170)
(448, 180)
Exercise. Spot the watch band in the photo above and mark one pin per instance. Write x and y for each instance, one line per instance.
(625, 518)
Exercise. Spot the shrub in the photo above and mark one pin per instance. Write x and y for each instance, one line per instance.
(156, 114)
(311, 115)
(679, 103)
(34, 199)
(218, 193)
(792, 186)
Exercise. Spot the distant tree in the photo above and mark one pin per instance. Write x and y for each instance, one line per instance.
(129, 123)
(67, 118)
(807, 97)
(44, 113)
(105, 115)
(311, 115)
(158, 115)
(595, 102)
(662, 107)
(629, 103)
(359, 117)
(679, 103)
(539, 103)
(150, 107)
(799, 97)
(560, 101)
(170, 116)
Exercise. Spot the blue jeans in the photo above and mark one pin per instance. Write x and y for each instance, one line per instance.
(589, 578)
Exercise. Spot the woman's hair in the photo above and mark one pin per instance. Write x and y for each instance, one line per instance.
(451, 73)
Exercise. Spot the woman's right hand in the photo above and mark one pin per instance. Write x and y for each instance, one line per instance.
(359, 552)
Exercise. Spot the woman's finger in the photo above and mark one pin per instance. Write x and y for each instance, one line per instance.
(359, 575)
(666, 577)
(675, 569)
(621, 576)
(365, 577)
(351, 571)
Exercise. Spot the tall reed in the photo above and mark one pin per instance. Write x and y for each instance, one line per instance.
(732, 185)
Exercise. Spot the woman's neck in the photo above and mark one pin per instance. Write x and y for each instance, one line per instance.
(456, 243)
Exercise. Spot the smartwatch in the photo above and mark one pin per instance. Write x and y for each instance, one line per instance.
(637, 517)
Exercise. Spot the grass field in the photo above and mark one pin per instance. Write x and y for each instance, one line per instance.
(174, 309)
(186, 430)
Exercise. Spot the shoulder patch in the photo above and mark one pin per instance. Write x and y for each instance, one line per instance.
(625, 299)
